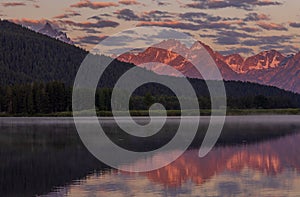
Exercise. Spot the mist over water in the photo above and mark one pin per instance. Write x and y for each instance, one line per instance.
(255, 155)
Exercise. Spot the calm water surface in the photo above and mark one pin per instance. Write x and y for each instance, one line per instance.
(255, 156)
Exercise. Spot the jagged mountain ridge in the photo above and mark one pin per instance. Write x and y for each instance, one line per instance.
(180, 63)
(261, 61)
(267, 68)
(48, 30)
(28, 56)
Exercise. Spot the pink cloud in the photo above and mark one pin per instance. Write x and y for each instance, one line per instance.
(128, 2)
(272, 26)
(35, 24)
(29, 21)
(98, 24)
(69, 14)
(93, 5)
(171, 24)
(13, 4)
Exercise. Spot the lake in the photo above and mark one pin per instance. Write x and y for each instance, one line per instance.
(255, 156)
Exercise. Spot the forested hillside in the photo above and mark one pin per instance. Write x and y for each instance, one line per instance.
(37, 73)
(27, 56)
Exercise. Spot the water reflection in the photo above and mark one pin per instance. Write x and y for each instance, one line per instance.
(269, 158)
(254, 157)
(268, 168)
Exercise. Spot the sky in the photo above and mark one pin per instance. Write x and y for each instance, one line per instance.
(228, 26)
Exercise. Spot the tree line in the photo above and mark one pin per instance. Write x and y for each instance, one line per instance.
(52, 97)
(35, 98)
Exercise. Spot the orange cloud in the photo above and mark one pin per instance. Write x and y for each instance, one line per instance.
(128, 2)
(272, 26)
(171, 24)
(68, 15)
(29, 21)
(12, 4)
(158, 23)
(98, 24)
(93, 5)
(263, 17)
(35, 24)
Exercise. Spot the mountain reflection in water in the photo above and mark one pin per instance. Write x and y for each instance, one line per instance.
(252, 158)
(269, 168)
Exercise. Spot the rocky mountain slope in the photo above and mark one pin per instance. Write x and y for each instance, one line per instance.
(48, 30)
(268, 67)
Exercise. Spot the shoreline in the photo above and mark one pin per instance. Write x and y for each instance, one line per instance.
(143, 113)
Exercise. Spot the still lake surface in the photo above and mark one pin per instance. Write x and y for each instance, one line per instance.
(255, 156)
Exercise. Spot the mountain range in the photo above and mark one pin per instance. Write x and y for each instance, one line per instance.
(27, 56)
(267, 68)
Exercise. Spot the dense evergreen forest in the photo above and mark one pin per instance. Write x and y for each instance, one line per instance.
(37, 73)
(39, 98)
(27, 56)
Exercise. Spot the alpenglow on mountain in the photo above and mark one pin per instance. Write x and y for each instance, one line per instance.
(267, 68)
(28, 56)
